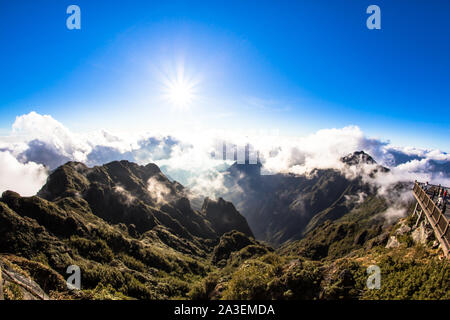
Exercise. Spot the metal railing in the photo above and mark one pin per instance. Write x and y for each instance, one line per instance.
(434, 215)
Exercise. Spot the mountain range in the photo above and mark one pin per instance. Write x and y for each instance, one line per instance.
(134, 234)
(284, 207)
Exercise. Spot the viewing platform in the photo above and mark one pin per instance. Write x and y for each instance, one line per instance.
(432, 204)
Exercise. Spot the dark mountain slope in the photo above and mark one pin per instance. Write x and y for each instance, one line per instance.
(334, 238)
(223, 217)
(131, 231)
(124, 192)
(284, 207)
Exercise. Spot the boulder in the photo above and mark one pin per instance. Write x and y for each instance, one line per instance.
(402, 230)
(393, 242)
(422, 234)
(379, 240)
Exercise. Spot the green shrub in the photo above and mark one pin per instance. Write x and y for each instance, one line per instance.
(134, 288)
(12, 292)
(203, 289)
(102, 292)
(132, 263)
(402, 279)
(173, 287)
(96, 250)
(92, 275)
(250, 282)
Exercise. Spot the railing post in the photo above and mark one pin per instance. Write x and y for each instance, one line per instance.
(444, 237)
(446, 228)
(418, 218)
(437, 222)
(415, 209)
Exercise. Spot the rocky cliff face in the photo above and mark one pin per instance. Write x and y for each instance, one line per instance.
(224, 217)
(124, 192)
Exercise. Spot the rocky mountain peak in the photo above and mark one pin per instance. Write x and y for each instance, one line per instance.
(358, 157)
(125, 192)
(224, 216)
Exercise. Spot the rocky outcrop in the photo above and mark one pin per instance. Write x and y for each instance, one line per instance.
(402, 229)
(224, 217)
(231, 242)
(379, 240)
(392, 243)
(422, 234)
(142, 196)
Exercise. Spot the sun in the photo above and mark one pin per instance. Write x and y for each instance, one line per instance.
(179, 89)
(181, 94)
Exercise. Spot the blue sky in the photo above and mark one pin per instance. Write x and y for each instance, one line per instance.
(292, 66)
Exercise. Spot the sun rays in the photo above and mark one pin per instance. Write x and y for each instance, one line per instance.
(180, 89)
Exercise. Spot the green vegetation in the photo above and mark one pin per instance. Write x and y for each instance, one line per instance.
(250, 281)
(96, 249)
(133, 248)
(12, 292)
(418, 277)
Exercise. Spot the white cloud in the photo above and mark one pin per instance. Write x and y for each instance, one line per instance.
(158, 191)
(186, 156)
(46, 135)
(25, 179)
(124, 195)
(392, 214)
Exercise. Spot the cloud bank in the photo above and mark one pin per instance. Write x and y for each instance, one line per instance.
(26, 178)
(39, 143)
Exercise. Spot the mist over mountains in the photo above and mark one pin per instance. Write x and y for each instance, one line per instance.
(38, 144)
(298, 224)
(284, 207)
(297, 184)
